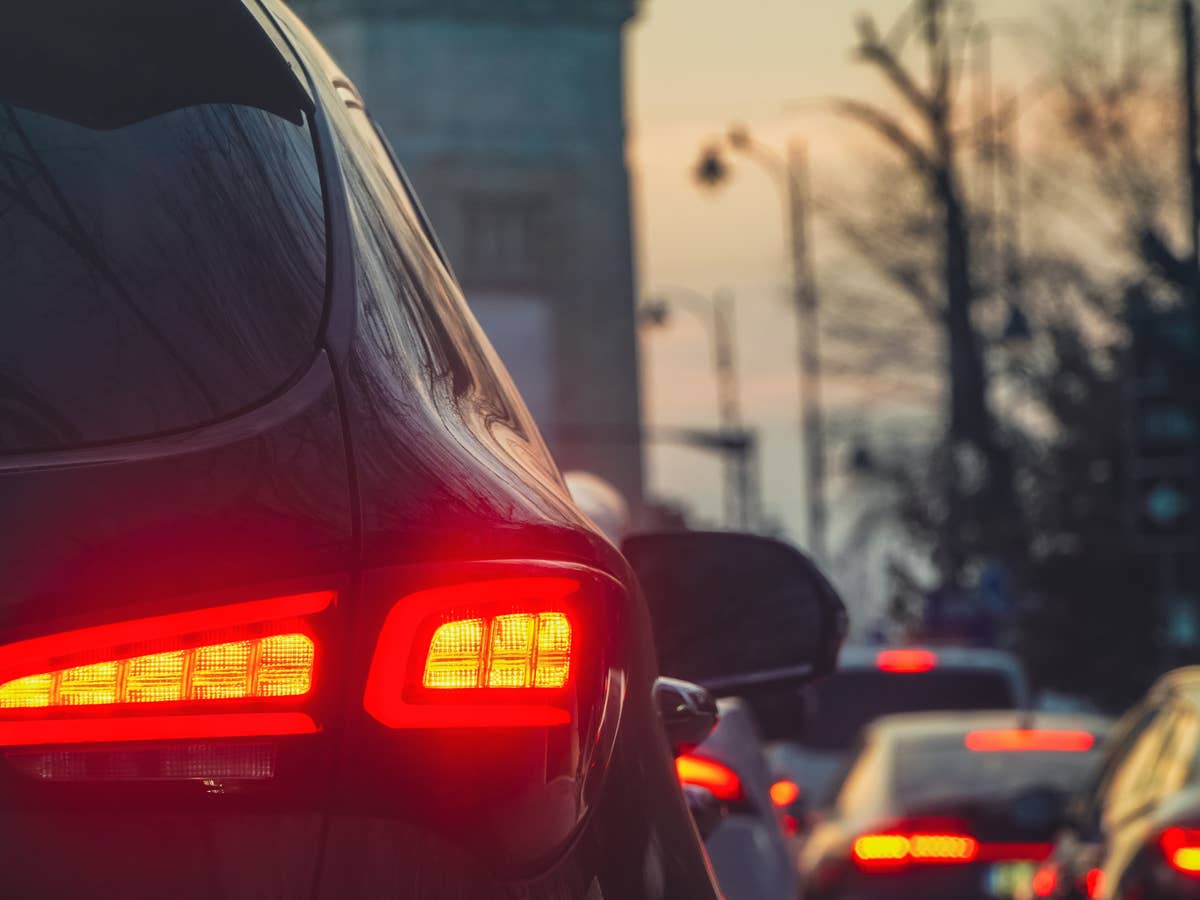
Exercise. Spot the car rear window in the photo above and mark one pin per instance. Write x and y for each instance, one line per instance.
(163, 266)
(840, 705)
(929, 770)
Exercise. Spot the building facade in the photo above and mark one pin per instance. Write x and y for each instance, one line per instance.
(509, 116)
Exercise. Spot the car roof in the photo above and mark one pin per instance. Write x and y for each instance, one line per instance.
(934, 725)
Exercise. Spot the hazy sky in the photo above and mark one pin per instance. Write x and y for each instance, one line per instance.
(695, 66)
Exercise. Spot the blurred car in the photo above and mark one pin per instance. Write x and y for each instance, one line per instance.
(296, 602)
(870, 682)
(749, 850)
(1133, 832)
(956, 806)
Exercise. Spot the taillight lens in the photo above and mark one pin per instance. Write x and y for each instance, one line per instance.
(216, 672)
(720, 780)
(1028, 739)
(1093, 883)
(785, 792)
(1181, 847)
(935, 843)
(906, 661)
(1045, 881)
(496, 653)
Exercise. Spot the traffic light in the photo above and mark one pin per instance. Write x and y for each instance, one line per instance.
(1164, 430)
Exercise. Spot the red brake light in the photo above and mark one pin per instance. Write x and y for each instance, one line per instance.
(1093, 882)
(1045, 881)
(888, 850)
(906, 661)
(1181, 847)
(1018, 739)
(722, 781)
(484, 654)
(785, 792)
(162, 678)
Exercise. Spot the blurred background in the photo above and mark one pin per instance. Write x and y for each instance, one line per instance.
(912, 283)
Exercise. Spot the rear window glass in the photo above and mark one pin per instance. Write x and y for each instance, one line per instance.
(840, 705)
(162, 268)
(925, 771)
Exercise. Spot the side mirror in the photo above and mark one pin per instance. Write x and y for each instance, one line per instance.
(737, 613)
(688, 712)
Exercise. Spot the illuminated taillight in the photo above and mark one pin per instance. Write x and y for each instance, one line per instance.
(483, 654)
(902, 846)
(1028, 739)
(1181, 847)
(516, 650)
(1045, 881)
(785, 792)
(905, 661)
(720, 780)
(1093, 883)
(215, 672)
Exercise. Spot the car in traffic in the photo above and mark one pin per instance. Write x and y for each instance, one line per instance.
(957, 806)
(296, 602)
(750, 849)
(809, 737)
(1133, 831)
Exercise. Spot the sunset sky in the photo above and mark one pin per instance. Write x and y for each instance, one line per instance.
(696, 66)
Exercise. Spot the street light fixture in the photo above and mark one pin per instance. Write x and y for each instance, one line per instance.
(791, 174)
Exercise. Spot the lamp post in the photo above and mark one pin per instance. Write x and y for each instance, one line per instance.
(791, 175)
(716, 315)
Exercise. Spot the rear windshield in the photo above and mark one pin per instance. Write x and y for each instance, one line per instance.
(925, 773)
(161, 268)
(840, 705)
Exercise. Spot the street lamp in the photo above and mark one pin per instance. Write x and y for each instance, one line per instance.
(791, 175)
(716, 315)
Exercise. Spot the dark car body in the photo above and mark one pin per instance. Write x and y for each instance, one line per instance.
(1134, 829)
(936, 805)
(239, 391)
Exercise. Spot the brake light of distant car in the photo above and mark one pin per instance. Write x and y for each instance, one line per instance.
(226, 671)
(1027, 739)
(906, 661)
(495, 653)
(1093, 883)
(915, 843)
(785, 792)
(1181, 847)
(721, 781)
(1045, 881)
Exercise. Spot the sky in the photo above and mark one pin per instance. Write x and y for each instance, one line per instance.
(694, 68)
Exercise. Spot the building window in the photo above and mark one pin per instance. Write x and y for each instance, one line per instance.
(505, 240)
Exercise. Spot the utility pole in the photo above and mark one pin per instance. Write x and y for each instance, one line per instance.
(737, 486)
(804, 284)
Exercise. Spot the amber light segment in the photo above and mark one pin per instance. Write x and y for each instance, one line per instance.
(510, 663)
(553, 650)
(275, 666)
(515, 650)
(455, 655)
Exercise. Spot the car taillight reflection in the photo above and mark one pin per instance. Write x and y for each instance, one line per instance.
(722, 781)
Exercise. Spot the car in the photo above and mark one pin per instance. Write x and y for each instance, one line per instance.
(937, 805)
(750, 849)
(296, 603)
(806, 746)
(1133, 831)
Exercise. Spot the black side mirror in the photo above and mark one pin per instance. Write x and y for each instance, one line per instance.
(688, 712)
(737, 613)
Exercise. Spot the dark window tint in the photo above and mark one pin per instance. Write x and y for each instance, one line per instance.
(158, 274)
(930, 770)
(846, 701)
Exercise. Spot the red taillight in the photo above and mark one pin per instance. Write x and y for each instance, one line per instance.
(888, 850)
(1093, 883)
(1027, 739)
(906, 661)
(1181, 847)
(496, 653)
(785, 792)
(1045, 881)
(722, 781)
(207, 673)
